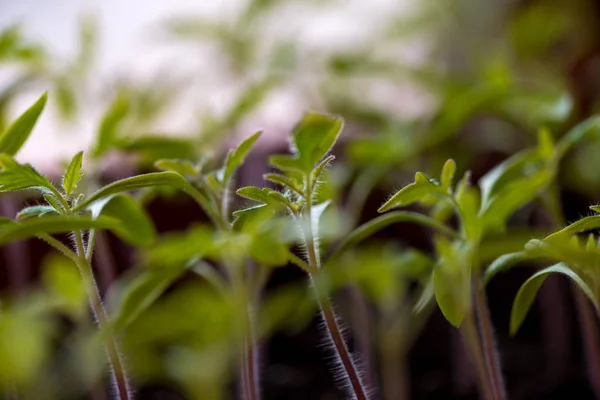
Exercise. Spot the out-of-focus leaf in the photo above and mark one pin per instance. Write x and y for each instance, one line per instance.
(143, 290)
(24, 345)
(151, 148)
(369, 228)
(54, 224)
(167, 178)
(421, 189)
(268, 245)
(579, 133)
(452, 280)
(178, 249)
(17, 133)
(528, 291)
(503, 263)
(65, 97)
(512, 184)
(62, 278)
(427, 295)
(109, 126)
(472, 225)
(237, 156)
(137, 226)
(73, 174)
(183, 168)
(448, 174)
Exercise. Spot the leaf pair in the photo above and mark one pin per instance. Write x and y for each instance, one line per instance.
(211, 190)
(573, 259)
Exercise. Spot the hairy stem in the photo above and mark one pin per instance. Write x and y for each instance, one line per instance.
(491, 358)
(471, 338)
(327, 311)
(117, 369)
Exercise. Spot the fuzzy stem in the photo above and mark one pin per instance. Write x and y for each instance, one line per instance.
(489, 346)
(339, 344)
(249, 378)
(471, 337)
(117, 369)
(326, 308)
(488, 341)
(589, 330)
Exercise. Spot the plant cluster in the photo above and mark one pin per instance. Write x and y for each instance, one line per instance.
(291, 222)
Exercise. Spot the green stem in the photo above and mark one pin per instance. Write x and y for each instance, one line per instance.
(97, 307)
(329, 316)
(248, 357)
(471, 337)
(488, 341)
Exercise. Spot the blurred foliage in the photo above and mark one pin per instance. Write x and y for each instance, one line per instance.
(485, 81)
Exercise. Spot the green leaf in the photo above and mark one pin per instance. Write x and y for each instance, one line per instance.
(512, 184)
(503, 263)
(579, 133)
(137, 227)
(316, 173)
(35, 211)
(425, 298)
(153, 147)
(15, 176)
(176, 249)
(144, 290)
(375, 225)
(452, 280)
(421, 189)
(313, 138)
(183, 168)
(73, 174)
(520, 165)
(268, 245)
(17, 133)
(109, 126)
(33, 227)
(448, 172)
(63, 280)
(595, 208)
(570, 251)
(545, 143)
(285, 163)
(236, 157)
(584, 224)
(54, 202)
(285, 181)
(167, 178)
(528, 291)
(254, 193)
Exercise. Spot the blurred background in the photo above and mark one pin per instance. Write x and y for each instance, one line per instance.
(416, 82)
